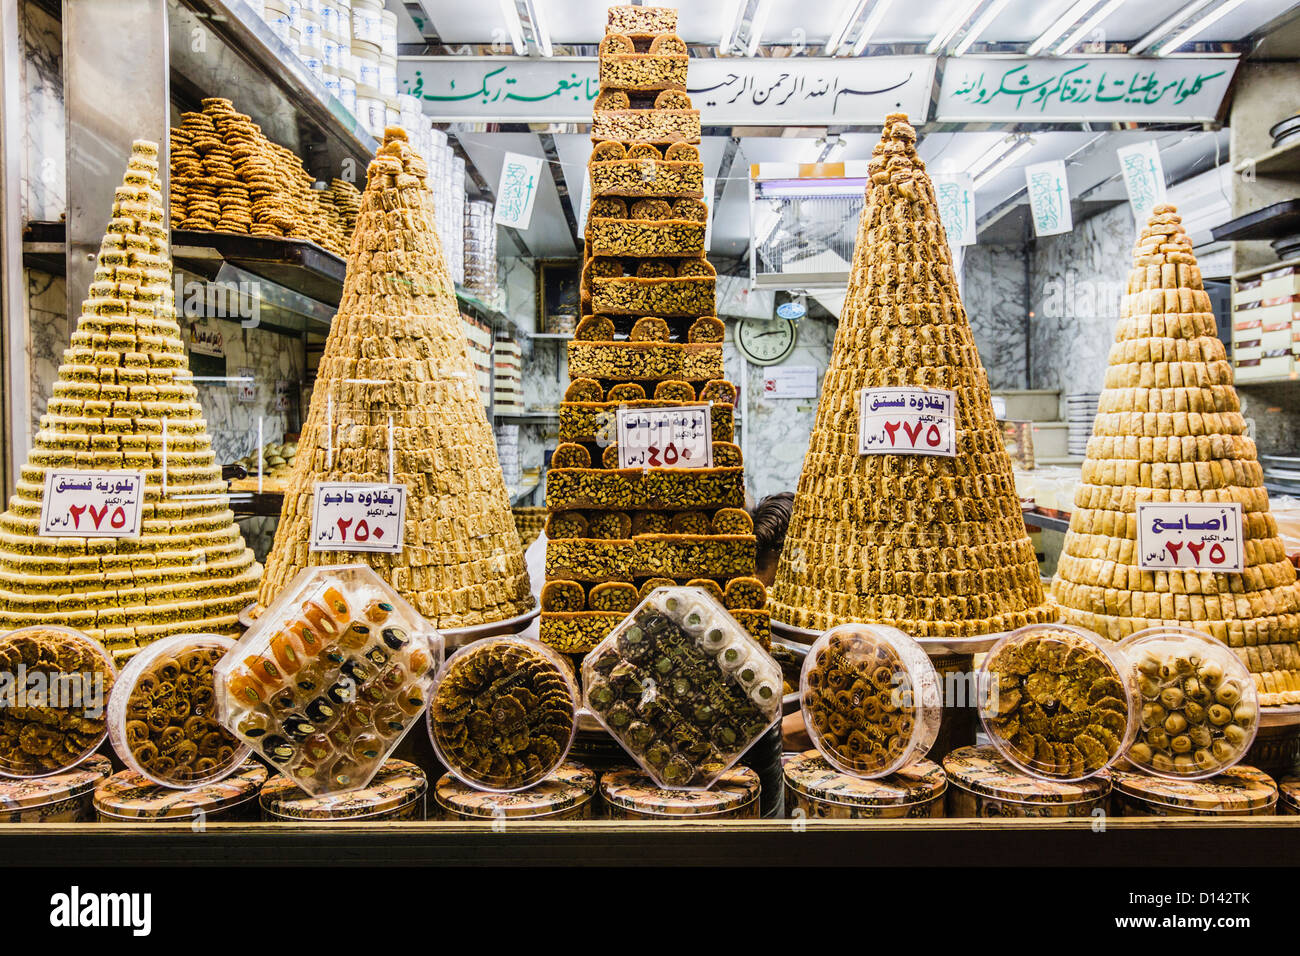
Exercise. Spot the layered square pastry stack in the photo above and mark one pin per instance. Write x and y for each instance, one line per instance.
(647, 338)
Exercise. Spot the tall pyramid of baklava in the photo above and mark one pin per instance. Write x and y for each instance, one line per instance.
(935, 546)
(647, 338)
(125, 400)
(395, 394)
(1169, 429)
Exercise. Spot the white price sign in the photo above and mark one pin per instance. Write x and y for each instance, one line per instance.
(679, 436)
(1202, 536)
(907, 421)
(92, 504)
(357, 516)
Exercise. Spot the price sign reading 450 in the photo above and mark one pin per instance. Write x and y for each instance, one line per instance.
(907, 421)
(357, 516)
(92, 504)
(677, 436)
(1202, 536)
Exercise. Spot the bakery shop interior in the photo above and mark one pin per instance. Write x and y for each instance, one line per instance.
(456, 416)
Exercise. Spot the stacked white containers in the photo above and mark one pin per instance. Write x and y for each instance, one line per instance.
(388, 67)
(481, 250)
(311, 37)
(508, 453)
(457, 200)
(366, 48)
(507, 377)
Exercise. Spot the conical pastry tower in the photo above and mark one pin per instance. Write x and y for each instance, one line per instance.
(1169, 429)
(396, 395)
(125, 400)
(933, 545)
(647, 339)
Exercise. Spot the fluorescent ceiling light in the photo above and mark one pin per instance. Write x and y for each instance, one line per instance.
(1066, 20)
(849, 14)
(513, 26)
(980, 25)
(757, 24)
(811, 188)
(998, 161)
(1162, 31)
(541, 32)
(869, 26)
(1199, 27)
(949, 30)
(1088, 25)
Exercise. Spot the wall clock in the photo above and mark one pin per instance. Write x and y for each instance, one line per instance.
(766, 341)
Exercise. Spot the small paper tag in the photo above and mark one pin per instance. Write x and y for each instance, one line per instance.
(1204, 536)
(358, 516)
(678, 436)
(92, 504)
(907, 421)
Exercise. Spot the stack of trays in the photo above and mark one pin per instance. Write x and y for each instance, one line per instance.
(1081, 409)
(1266, 325)
(508, 377)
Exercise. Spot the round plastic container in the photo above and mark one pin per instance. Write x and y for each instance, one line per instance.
(1199, 708)
(395, 793)
(514, 690)
(630, 794)
(1239, 791)
(368, 24)
(982, 784)
(817, 790)
(366, 66)
(348, 92)
(128, 797)
(53, 677)
(564, 795)
(311, 33)
(388, 33)
(388, 76)
(330, 46)
(162, 716)
(371, 111)
(1058, 701)
(871, 699)
(333, 85)
(66, 797)
(311, 59)
(1288, 796)
(331, 16)
(280, 22)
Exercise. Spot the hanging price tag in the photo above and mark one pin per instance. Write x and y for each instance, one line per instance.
(907, 421)
(92, 504)
(679, 436)
(357, 516)
(1205, 536)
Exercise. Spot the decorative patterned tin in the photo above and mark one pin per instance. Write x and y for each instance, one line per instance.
(128, 797)
(66, 797)
(983, 784)
(1238, 791)
(396, 793)
(1288, 798)
(564, 795)
(819, 791)
(630, 794)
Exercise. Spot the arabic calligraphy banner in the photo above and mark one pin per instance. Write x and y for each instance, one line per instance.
(761, 91)
(1144, 178)
(1017, 89)
(1049, 198)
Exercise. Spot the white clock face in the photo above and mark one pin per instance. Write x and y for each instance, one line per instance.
(765, 341)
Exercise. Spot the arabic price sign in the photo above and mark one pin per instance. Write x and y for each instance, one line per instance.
(1202, 536)
(727, 91)
(679, 436)
(1049, 198)
(956, 208)
(521, 177)
(907, 421)
(92, 504)
(358, 516)
(1144, 178)
(1017, 89)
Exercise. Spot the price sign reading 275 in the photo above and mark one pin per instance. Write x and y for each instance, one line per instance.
(92, 504)
(907, 421)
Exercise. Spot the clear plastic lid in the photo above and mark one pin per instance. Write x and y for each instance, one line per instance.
(162, 715)
(1057, 701)
(54, 688)
(871, 699)
(682, 687)
(329, 678)
(503, 713)
(1199, 710)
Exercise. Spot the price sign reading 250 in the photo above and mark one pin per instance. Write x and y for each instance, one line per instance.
(358, 516)
(674, 436)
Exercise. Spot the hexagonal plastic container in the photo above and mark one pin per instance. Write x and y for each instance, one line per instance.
(1199, 710)
(64, 676)
(1057, 701)
(162, 715)
(329, 678)
(871, 699)
(503, 712)
(682, 687)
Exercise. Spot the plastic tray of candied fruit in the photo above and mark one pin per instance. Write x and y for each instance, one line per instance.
(330, 678)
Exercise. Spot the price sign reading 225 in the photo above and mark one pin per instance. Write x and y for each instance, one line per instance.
(1202, 536)
(907, 421)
